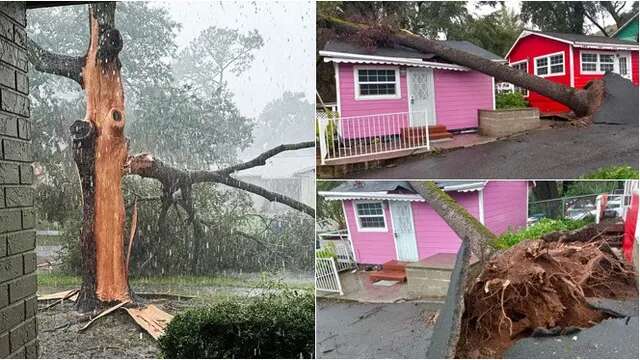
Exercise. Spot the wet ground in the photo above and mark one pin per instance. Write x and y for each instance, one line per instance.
(356, 330)
(615, 338)
(560, 153)
(113, 336)
(117, 336)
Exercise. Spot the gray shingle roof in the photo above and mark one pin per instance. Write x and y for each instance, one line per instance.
(405, 52)
(392, 186)
(584, 38)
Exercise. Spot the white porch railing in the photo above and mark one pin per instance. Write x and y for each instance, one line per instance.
(358, 136)
(327, 278)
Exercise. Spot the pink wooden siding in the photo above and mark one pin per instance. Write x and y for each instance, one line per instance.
(371, 247)
(432, 232)
(378, 126)
(505, 205)
(459, 95)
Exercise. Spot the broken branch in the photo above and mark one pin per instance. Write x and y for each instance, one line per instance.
(56, 64)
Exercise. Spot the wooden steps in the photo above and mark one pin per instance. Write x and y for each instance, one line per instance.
(438, 132)
(391, 270)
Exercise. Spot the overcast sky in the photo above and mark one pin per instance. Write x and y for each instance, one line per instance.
(285, 63)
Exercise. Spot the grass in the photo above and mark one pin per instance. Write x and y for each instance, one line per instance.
(62, 280)
(535, 231)
(614, 173)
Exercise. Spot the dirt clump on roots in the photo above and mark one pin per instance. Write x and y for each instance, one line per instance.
(539, 288)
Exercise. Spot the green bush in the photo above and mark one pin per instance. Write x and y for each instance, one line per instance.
(614, 172)
(279, 324)
(328, 250)
(513, 100)
(535, 231)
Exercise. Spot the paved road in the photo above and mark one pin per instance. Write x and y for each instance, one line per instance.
(611, 339)
(369, 331)
(560, 153)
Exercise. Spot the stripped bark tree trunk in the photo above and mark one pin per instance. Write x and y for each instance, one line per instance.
(105, 113)
(458, 218)
(582, 102)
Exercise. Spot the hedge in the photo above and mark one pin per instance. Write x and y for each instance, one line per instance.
(276, 325)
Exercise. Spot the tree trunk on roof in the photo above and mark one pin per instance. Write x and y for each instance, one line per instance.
(582, 102)
(467, 227)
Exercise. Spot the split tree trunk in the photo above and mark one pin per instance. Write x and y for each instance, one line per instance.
(582, 102)
(102, 236)
(458, 218)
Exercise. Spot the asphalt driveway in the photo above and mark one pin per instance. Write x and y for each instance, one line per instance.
(559, 153)
(370, 331)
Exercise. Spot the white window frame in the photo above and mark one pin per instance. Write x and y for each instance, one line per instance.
(356, 83)
(548, 56)
(357, 216)
(598, 53)
(526, 61)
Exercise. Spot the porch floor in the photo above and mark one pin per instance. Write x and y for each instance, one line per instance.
(357, 287)
(458, 141)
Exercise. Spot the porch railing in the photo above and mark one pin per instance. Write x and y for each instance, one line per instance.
(360, 136)
(327, 278)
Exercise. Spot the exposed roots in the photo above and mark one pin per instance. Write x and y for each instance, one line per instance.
(539, 285)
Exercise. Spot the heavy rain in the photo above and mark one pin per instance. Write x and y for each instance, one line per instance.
(206, 86)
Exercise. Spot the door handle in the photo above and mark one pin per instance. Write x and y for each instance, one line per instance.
(411, 99)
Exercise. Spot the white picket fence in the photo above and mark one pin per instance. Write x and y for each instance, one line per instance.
(357, 136)
(327, 278)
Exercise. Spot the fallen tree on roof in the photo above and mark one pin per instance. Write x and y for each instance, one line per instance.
(583, 102)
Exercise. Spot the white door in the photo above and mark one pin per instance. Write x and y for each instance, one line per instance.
(405, 235)
(421, 96)
(623, 65)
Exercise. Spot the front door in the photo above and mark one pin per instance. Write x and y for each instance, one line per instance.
(623, 65)
(421, 96)
(405, 236)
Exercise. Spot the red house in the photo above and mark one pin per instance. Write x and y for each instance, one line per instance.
(570, 59)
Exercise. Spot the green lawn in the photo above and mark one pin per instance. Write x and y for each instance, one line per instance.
(61, 280)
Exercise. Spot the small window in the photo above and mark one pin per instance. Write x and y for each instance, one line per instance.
(522, 66)
(597, 63)
(377, 83)
(606, 62)
(370, 216)
(541, 66)
(550, 65)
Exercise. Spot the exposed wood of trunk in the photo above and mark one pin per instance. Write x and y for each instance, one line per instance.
(458, 218)
(105, 110)
(582, 102)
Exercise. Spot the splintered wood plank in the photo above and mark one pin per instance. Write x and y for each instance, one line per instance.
(151, 319)
(104, 313)
(62, 295)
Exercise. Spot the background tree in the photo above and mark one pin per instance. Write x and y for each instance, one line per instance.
(286, 119)
(214, 54)
(577, 16)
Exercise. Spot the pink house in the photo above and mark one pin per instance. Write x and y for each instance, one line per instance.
(388, 220)
(396, 88)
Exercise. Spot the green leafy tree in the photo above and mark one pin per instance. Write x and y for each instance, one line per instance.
(216, 53)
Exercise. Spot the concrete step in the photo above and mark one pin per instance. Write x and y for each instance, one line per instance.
(400, 276)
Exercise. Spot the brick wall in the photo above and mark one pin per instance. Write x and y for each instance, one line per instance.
(17, 235)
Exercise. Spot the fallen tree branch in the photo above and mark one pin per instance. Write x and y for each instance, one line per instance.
(173, 179)
(261, 159)
(56, 64)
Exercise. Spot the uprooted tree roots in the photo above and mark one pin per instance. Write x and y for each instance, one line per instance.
(537, 287)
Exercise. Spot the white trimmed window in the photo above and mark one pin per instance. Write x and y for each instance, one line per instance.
(550, 65)
(597, 63)
(377, 83)
(370, 216)
(522, 66)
